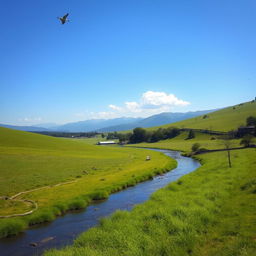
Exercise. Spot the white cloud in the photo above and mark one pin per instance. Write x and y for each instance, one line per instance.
(133, 106)
(151, 98)
(114, 107)
(150, 103)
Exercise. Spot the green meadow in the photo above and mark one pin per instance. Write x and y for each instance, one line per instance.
(208, 212)
(36, 162)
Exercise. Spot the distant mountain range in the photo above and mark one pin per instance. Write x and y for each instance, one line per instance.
(110, 125)
(155, 120)
(94, 124)
(25, 128)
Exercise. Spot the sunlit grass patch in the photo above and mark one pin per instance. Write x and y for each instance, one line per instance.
(10, 207)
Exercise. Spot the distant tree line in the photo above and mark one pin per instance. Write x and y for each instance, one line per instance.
(139, 134)
(251, 121)
(142, 135)
(70, 134)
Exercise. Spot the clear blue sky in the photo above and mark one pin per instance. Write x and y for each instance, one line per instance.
(123, 57)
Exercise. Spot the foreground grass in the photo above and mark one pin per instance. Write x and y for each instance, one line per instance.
(208, 212)
(30, 161)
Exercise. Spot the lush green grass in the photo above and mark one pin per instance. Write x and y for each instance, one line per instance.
(181, 143)
(9, 207)
(185, 218)
(226, 119)
(30, 161)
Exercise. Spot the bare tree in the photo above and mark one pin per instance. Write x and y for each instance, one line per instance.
(226, 141)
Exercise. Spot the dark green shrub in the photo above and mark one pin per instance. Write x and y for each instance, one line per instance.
(77, 204)
(195, 147)
(62, 207)
(99, 195)
(40, 217)
(251, 120)
(191, 135)
(247, 140)
(179, 182)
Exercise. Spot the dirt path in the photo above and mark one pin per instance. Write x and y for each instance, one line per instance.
(33, 203)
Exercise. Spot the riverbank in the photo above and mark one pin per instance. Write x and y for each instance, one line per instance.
(63, 230)
(197, 215)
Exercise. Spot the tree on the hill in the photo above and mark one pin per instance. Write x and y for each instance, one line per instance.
(171, 132)
(247, 140)
(191, 135)
(157, 135)
(251, 120)
(195, 147)
(139, 135)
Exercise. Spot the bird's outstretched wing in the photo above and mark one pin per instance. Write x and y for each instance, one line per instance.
(65, 16)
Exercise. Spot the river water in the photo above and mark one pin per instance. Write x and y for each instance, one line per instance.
(66, 228)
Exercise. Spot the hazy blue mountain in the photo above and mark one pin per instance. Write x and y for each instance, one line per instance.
(25, 128)
(47, 125)
(94, 124)
(156, 120)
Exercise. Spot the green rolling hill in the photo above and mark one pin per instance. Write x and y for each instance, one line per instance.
(226, 119)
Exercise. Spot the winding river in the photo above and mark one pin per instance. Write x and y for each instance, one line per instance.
(65, 229)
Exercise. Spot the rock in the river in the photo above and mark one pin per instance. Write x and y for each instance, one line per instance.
(33, 244)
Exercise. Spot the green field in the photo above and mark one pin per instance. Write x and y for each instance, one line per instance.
(226, 119)
(208, 212)
(30, 161)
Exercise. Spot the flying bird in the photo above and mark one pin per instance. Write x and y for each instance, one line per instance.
(63, 19)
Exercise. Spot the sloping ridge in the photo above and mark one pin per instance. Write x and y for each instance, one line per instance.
(226, 119)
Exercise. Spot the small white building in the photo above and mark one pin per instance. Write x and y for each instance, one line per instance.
(108, 142)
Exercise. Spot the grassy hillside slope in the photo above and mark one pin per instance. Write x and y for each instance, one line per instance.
(226, 119)
(30, 161)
